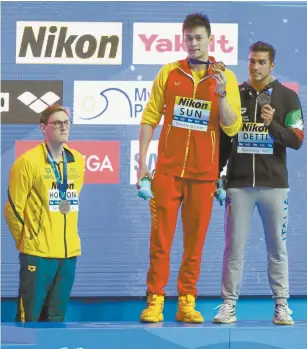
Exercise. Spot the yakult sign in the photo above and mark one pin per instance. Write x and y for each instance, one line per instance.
(161, 43)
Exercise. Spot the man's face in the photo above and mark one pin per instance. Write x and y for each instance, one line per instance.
(57, 128)
(260, 66)
(197, 42)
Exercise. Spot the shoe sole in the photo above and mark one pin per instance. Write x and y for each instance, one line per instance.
(161, 319)
(224, 322)
(189, 322)
(283, 323)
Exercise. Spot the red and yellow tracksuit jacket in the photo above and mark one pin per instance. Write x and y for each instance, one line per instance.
(184, 152)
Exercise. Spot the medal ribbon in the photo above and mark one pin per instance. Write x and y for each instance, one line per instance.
(62, 186)
(197, 61)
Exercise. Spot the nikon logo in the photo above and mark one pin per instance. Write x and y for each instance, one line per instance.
(68, 43)
(192, 103)
(251, 127)
(56, 187)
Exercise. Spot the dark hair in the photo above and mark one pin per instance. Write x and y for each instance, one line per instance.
(45, 115)
(197, 20)
(261, 46)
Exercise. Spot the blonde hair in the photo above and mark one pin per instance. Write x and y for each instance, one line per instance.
(45, 115)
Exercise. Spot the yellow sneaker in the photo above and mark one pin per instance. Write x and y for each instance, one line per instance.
(186, 310)
(154, 310)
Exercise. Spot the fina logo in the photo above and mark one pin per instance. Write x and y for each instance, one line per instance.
(88, 101)
(110, 102)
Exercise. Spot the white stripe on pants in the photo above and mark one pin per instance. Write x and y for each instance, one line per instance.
(272, 206)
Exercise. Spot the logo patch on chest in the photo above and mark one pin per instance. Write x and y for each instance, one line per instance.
(254, 138)
(192, 114)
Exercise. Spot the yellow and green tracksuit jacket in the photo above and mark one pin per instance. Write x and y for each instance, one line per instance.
(31, 210)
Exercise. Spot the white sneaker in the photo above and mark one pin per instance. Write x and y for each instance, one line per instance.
(282, 315)
(226, 314)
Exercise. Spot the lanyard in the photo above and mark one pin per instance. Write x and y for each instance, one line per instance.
(196, 61)
(62, 186)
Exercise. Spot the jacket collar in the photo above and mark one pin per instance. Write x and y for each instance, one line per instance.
(273, 83)
(69, 155)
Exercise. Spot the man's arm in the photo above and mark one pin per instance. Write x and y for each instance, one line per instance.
(292, 134)
(146, 134)
(225, 150)
(20, 184)
(230, 106)
(153, 112)
(82, 167)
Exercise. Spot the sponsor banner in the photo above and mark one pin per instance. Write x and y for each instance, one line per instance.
(102, 158)
(22, 101)
(161, 43)
(110, 102)
(134, 158)
(69, 43)
(114, 102)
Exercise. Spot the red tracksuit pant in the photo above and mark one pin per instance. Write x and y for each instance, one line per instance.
(196, 198)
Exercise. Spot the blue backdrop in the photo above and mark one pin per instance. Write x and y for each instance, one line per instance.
(114, 223)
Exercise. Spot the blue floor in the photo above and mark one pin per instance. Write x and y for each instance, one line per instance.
(167, 335)
(129, 310)
(105, 324)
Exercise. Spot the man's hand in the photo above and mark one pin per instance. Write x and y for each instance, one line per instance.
(221, 81)
(220, 193)
(267, 113)
(142, 172)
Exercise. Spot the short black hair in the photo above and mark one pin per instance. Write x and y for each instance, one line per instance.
(197, 20)
(261, 46)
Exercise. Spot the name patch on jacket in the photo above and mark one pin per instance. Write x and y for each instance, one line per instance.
(254, 138)
(192, 114)
(55, 199)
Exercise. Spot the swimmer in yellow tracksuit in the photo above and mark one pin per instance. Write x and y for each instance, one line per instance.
(42, 216)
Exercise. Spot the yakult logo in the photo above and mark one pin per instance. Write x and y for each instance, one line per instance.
(161, 43)
(101, 158)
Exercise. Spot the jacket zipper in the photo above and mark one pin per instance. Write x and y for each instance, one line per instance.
(190, 131)
(64, 215)
(166, 138)
(254, 165)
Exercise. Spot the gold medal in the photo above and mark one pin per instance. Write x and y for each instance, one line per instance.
(218, 67)
(64, 206)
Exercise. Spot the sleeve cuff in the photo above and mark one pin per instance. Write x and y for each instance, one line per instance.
(233, 129)
(272, 126)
